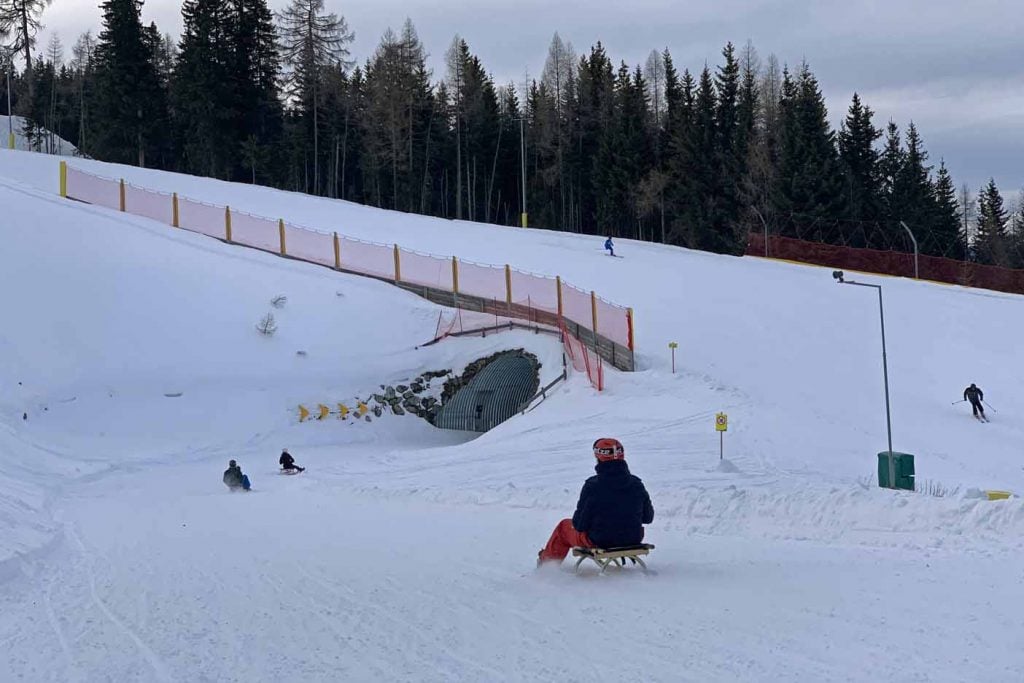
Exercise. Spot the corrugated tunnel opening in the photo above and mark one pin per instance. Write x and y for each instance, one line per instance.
(490, 391)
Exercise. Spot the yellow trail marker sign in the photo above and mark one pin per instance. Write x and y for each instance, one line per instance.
(303, 413)
(324, 412)
(721, 426)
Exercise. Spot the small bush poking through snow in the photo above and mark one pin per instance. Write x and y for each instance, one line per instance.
(267, 326)
(279, 301)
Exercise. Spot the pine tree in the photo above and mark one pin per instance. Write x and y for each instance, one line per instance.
(890, 163)
(129, 98)
(203, 90)
(730, 159)
(809, 182)
(917, 207)
(945, 226)
(860, 164)
(20, 18)
(991, 244)
(313, 41)
(255, 77)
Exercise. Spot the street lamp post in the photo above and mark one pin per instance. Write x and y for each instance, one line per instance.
(914, 240)
(838, 275)
(765, 224)
(522, 157)
(10, 118)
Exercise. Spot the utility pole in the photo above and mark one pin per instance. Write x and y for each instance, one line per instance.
(522, 158)
(10, 114)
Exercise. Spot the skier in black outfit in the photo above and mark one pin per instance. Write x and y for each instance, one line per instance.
(288, 462)
(975, 395)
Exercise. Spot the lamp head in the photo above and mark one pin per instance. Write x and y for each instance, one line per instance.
(838, 275)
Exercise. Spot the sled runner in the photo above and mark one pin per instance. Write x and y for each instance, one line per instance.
(615, 557)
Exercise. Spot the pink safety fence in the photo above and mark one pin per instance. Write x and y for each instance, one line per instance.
(522, 294)
(583, 359)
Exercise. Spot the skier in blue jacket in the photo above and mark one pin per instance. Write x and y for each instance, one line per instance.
(609, 246)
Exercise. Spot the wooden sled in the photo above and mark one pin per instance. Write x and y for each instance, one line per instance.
(613, 557)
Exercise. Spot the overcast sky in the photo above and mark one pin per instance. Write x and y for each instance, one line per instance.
(955, 68)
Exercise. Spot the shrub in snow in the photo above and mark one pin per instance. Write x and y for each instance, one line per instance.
(267, 326)
(279, 301)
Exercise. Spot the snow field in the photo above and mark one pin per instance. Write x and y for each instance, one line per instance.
(406, 553)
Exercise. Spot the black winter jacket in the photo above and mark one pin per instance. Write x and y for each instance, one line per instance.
(613, 507)
(286, 460)
(233, 476)
(974, 395)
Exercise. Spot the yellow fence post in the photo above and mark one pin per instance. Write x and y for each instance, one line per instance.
(227, 223)
(558, 287)
(175, 216)
(337, 252)
(455, 275)
(398, 265)
(508, 285)
(593, 312)
(280, 232)
(64, 179)
(122, 195)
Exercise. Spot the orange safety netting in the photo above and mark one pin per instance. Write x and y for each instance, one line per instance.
(534, 297)
(896, 263)
(583, 359)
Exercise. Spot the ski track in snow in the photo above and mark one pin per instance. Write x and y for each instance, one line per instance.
(406, 554)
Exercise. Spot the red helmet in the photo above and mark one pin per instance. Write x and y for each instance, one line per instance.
(608, 449)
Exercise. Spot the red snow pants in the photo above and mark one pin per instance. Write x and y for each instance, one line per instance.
(563, 538)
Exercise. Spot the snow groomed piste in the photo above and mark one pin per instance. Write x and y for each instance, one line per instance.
(405, 552)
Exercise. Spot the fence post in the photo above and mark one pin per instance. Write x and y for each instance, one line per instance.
(175, 216)
(337, 252)
(593, 313)
(455, 275)
(508, 286)
(280, 232)
(398, 265)
(122, 195)
(64, 179)
(558, 287)
(629, 327)
(227, 223)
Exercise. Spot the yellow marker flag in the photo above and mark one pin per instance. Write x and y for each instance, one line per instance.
(324, 412)
(342, 411)
(303, 413)
(362, 409)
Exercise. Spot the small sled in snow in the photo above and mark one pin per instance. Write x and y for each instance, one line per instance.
(613, 557)
(291, 471)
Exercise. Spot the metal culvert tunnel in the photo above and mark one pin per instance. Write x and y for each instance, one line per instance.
(496, 393)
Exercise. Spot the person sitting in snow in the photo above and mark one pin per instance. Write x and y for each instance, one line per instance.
(975, 395)
(611, 512)
(288, 463)
(234, 479)
(609, 246)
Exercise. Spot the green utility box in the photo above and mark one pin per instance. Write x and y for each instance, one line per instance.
(896, 470)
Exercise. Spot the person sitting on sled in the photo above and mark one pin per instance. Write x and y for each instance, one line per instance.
(288, 463)
(234, 479)
(609, 247)
(611, 512)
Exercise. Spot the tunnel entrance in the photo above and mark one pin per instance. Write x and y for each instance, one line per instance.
(492, 390)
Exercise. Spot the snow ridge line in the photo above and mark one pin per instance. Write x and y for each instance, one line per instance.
(857, 515)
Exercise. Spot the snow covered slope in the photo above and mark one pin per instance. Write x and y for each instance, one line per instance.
(405, 553)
